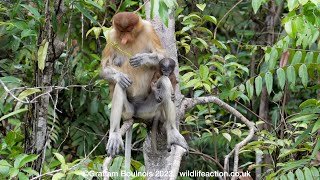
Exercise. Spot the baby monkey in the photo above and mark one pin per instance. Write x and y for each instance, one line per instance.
(165, 68)
(156, 97)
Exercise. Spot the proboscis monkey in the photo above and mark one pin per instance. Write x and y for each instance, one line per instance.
(129, 62)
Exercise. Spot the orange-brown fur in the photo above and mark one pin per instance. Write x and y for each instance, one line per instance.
(142, 39)
(158, 74)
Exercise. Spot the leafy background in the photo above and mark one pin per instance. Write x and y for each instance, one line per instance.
(224, 50)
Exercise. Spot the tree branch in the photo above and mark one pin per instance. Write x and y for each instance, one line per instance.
(124, 128)
(189, 103)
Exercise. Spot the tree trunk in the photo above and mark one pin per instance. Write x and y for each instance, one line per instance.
(43, 78)
(163, 164)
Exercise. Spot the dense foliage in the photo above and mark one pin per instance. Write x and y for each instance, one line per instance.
(247, 53)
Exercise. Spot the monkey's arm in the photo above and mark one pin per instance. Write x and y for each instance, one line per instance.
(149, 59)
(112, 75)
(154, 47)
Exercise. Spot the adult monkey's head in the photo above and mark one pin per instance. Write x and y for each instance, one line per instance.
(128, 26)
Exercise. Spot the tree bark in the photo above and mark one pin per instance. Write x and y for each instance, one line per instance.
(43, 78)
(163, 161)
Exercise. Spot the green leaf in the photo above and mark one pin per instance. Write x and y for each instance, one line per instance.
(303, 74)
(256, 5)
(204, 72)
(219, 44)
(318, 59)
(273, 58)
(299, 174)
(227, 136)
(30, 171)
(163, 13)
(237, 132)
(18, 160)
(292, 4)
(94, 4)
(60, 158)
(4, 167)
(85, 12)
(192, 82)
(307, 173)
(94, 105)
(315, 172)
(296, 58)
(316, 126)
(27, 33)
(281, 77)
(298, 24)
(13, 113)
(58, 176)
(80, 173)
(33, 11)
(170, 3)
(303, 2)
(249, 88)
(269, 81)
(42, 54)
(291, 176)
(288, 28)
(302, 137)
(22, 176)
(210, 19)
(316, 2)
(303, 117)
(13, 172)
(309, 58)
(308, 102)
(28, 159)
(187, 76)
(283, 177)
(203, 42)
(291, 75)
(201, 6)
(258, 84)
(28, 92)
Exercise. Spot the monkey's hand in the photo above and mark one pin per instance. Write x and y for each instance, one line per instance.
(175, 138)
(173, 96)
(123, 80)
(151, 59)
(114, 144)
(113, 75)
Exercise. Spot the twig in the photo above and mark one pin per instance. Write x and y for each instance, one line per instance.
(119, 6)
(11, 94)
(193, 151)
(188, 103)
(141, 6)
(225, 15)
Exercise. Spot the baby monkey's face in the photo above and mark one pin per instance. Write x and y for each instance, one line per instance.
(167, 66)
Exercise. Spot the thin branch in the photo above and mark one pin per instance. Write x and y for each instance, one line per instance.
(225, 15)
(189, 103)
(206, 156)
(141, 6)
(11, 94)
(119, 6)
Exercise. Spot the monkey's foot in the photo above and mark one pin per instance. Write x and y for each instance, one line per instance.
(114, 144)
(175, 138)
